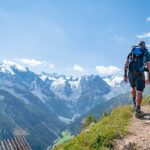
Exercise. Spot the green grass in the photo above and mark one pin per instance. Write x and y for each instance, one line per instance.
(146, 100)
(100, 136)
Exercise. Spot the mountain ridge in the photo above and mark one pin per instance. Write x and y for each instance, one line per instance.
(50, 104)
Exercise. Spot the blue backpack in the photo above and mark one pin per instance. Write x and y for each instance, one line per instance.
(137, 60)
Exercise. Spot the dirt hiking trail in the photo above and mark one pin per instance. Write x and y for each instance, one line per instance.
(139, 133)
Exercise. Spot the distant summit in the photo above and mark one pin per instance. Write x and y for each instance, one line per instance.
(10, 66)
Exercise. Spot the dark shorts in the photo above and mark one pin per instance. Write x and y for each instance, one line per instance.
(137, 81)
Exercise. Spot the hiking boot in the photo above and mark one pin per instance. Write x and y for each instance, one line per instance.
(139, 114)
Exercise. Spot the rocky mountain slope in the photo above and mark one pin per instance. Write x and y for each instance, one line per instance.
(44, 105)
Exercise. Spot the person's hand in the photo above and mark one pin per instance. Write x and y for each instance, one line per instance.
(125, 78)
(147, 82)
(147, 78)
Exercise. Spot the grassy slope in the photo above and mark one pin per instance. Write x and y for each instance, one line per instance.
(98, 110)
(100, 136)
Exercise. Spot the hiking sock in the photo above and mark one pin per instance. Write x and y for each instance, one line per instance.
(134, 101)
(138, 108)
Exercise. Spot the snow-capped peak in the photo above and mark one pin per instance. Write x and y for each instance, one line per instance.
(113, 81)
(117, 86)
(43, 77)
(7, 67)
(53, 76)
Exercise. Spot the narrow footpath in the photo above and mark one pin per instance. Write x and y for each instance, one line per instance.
(139, 133)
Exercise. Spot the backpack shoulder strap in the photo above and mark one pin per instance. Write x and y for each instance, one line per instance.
(146, 54)
(131, 55)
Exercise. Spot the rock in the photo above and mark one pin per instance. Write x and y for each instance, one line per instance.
(87, 130)
(130, 146)
(147, 122)
(92, 124)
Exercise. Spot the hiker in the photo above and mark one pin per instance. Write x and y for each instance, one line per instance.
(136, 66)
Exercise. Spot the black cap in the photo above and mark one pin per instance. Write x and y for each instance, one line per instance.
(141, 43)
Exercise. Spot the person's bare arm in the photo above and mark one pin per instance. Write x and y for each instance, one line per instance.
(148, 65)
(147, 75)
(125, 70)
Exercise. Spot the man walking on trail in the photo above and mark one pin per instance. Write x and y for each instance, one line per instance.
(138, 62)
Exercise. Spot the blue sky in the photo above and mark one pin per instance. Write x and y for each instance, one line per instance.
(72, 36)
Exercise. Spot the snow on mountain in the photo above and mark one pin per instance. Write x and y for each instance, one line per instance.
(43, 77)
(66, 88)
(113, 81)
(39, 94)
(57, 82)
(69, 121)
(7, 67)
(118, 86)
(65, 120)
(75, 84)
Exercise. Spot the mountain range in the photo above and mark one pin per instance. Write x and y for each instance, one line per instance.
(41, 106)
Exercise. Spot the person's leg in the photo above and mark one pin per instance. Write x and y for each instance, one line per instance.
(133, 94)
(139, 98)
(140, 85)
(132, 80)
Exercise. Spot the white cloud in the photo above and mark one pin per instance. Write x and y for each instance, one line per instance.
(144, 35)
(148, 19)
(106, 71)
(31, 62)
(35, 63)
(78, 68)
(45, 63)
